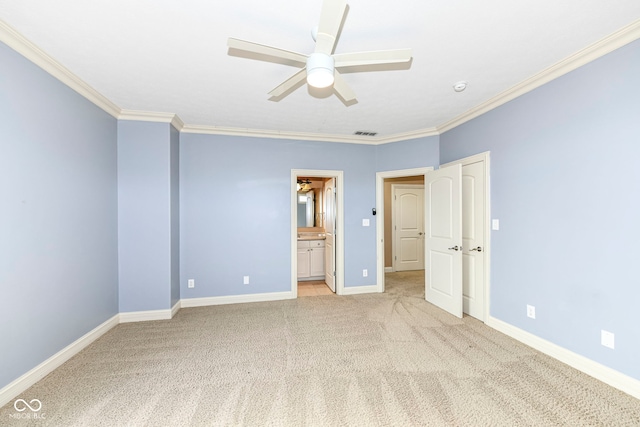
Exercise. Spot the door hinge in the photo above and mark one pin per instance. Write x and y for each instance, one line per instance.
(334, 274)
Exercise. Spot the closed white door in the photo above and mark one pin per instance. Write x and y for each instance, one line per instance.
(408, 223)
(330, 233)
(473, 238)
(443, 285)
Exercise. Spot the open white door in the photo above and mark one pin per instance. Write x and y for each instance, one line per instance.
(330, 233)
(443, 227)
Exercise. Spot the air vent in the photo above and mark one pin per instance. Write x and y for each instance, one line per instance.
(365, 133)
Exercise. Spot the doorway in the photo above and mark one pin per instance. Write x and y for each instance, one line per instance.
(383, 221)
(474, 243)
(317, 241)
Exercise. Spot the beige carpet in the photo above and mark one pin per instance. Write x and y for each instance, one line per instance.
(370, 360)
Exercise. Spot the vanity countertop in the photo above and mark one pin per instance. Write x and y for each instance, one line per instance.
(311, 236)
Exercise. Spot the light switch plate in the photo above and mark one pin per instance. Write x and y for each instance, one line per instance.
(365, 222)
(495, 224)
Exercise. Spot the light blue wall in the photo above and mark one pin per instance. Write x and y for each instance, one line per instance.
(144, 215)
(414, 153)
(565, 184)
(58, 216)
(236, 214)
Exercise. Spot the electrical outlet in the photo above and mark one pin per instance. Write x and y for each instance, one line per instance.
(246, 280)
(531, 311)
(607, 339)
(365, 273)
(191, 283)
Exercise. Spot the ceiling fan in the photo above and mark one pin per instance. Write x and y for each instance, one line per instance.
(320, 69)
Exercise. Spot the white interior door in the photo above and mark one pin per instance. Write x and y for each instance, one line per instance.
(473, 238)
(408, 223)
(330, 233)
(443, 261)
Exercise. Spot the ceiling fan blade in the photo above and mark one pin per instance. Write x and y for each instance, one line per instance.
(289, 85)
(331, 17)
(291, 58)
(342, 89)
(357, 59)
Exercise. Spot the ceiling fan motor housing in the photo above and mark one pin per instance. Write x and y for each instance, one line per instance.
(320, 67)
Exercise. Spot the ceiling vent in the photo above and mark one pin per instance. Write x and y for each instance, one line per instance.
(365, 133)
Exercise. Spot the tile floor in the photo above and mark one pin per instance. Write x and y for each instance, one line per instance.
(313, 288)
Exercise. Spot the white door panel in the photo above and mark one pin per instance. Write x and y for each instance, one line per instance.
(473, 226)
(408, 222)
(443, 286)
(330, 229)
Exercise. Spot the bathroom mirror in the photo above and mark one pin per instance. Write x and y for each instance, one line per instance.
(306, 209)
(310, 209)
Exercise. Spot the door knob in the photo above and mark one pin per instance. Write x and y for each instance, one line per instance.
(479, 249)
(420, 233)
(455, 248)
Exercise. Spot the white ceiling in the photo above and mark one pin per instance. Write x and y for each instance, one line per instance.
(171, 56)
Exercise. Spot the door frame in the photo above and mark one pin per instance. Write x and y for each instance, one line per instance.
(339, 239)
(483, 157)
(380, 177)
(394, 246)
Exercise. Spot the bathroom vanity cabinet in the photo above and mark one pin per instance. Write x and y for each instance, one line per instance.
(310, 259)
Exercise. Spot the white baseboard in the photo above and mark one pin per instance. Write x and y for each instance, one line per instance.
(388, 269)
(22, 383)
(235, 299)
(144, 316)
(598, 371)
(356, 290)
(176, 308)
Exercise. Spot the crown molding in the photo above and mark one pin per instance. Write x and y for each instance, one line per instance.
(347, 139)
(152, 116)
(263, 133)
(33, 53)
(406, 136)
(19, 43)
(597, 50)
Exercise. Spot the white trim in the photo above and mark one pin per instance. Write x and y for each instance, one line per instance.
(596, 370)
(357, 290)
(150, 116)
(380, 177)
(484, 157)
(146, 315)
(339, 238)
(33, 53)
(346, 139)
(176, 308)
(597, 50)
(235, 299)
(620, 38)
(25, 381)
(388, 269)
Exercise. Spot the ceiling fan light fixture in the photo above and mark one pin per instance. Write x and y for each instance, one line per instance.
(320, 69)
